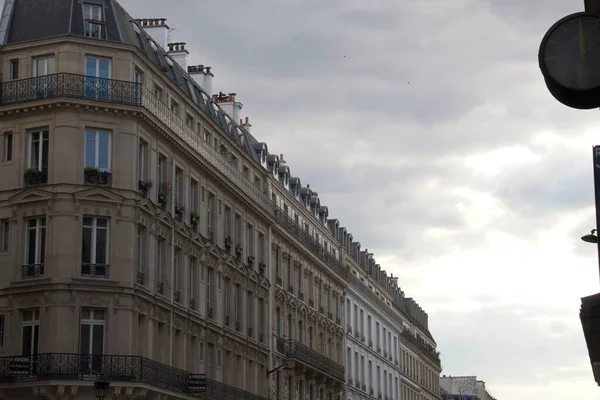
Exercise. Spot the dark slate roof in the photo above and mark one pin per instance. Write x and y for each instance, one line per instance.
(32, 20)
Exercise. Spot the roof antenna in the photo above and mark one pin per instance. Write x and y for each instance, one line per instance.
(169, 34)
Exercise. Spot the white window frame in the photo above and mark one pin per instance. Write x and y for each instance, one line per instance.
(142, 160)
(40, 231)
(177, 270)
(140, 248)
(4, 235)
(94, 242)
(159, 260)
(88, 14)
(42, 66)
(97, 133)
(8, 140)
(34, 322)
(44, 136)
(92, 322)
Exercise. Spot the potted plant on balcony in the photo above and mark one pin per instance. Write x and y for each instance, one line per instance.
(228, 243)
(194, 218)
(94, 176)
(238, 252)
(178, 211)
(34, 176)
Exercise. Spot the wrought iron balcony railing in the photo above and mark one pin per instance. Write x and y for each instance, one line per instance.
(120, 368)
(310, 357)
(134, 94)
(299, 233)
(33, 271)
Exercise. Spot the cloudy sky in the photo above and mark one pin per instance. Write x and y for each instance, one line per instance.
(426, 128)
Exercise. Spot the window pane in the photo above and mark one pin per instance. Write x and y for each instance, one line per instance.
(101, 246)
(26, 340)
(104, 67)
(103, 151)
(101, 222)
(90, 149)
(85, 339)
(86, 244)
(44, 155)
(90, 66)
(31, 246)
(98, 339)
(42, 244)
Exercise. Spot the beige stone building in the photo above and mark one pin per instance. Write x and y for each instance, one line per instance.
(147, 239)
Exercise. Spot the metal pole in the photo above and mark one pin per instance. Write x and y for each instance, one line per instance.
(596, 159)
(592, 6)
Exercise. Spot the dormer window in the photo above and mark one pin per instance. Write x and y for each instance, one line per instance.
(93, 21)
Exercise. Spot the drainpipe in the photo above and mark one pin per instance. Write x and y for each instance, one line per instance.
(172, 248)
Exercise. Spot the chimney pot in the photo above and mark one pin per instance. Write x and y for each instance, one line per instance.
(281, 157)
(246, 120)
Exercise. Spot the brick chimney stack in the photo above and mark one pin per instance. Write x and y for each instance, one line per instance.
(178, 52)
(157, 28)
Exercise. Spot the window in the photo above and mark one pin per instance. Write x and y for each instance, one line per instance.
(97, 73)
(177, 274)
(140, 254)
(250, 240)
(91, 341)
(38, 151)
(162, 180)
(14, 69)
(35, 248)
(4, 234)
(189, 121)
(227, 223)
(160, 254)
(209, 283)
(158, 92)
(210, 214)
(261, 319)
(94, 258)
(237, 304)
(30, 332)
(261, 248)
(193, 196)
(174, 106)
(97, 150)
(93, 21)
(192, 285)
(179, 186)
(42, 66)
(7, 147)
(143, 161)
(2, 328)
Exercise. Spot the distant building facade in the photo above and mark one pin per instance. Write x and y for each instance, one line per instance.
(464, 388)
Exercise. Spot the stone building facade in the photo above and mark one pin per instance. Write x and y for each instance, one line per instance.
(146, 237)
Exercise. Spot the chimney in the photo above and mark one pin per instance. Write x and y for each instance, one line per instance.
(208, 80)
(246, 124)
(178, 53)
(281, 158)
(229, 104)
(157, 28)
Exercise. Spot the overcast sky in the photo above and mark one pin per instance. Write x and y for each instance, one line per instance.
(426, 128)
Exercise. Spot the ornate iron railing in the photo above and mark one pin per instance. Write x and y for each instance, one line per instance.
(311, 243)
(310, 357)
(113, 368)
(134, 94)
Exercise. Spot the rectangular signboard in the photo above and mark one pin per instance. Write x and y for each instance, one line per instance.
(197, 383)
(19, 366)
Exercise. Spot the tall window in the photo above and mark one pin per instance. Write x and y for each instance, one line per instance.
(177, 274)
(14, 69)
(262, 248)
(161, 179)
(227, 222)
(261, 319)
(94, 256)
(4, 234)
(210, 214)
(38, 150)
(278, 321)
(97, 149)
(193, 196)
(179, 186)
(250, 240)
(143, 161)
(93, 21)
(237, 312)
(35, 247)
(30, 332)
(7, 146)
(193, 282)
(209, 284)
(160, 254)
(91, 342)
(140, 254)
(97, 74)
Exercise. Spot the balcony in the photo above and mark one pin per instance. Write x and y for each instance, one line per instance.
(34, 177)
(126, 370)
(94, 270)
(33, 271)
(426, 350)
(73, 86)
(311, 243)
(93, 176)
(311, 358)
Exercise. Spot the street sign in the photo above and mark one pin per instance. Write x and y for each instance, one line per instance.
(197, 383)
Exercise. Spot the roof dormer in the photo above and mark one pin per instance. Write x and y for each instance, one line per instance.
(295, 186)
(273, 164)
(261, 150)
(323, 214)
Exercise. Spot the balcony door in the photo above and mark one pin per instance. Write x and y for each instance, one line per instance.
(92, 341)
(43, 74)
(97, 78)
